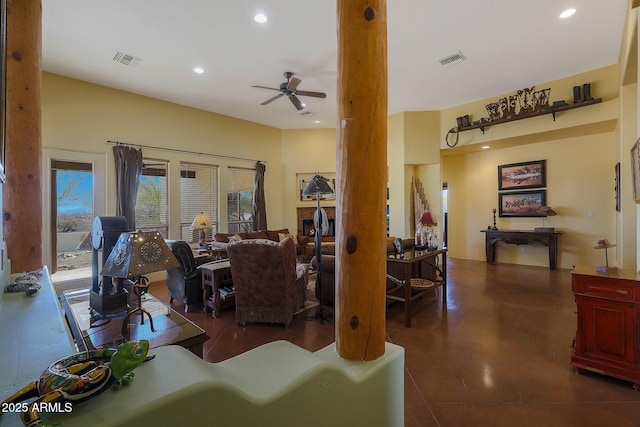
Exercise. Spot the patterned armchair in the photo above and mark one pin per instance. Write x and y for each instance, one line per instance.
(269, 284)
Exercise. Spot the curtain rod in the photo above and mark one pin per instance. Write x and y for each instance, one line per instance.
(175, 150)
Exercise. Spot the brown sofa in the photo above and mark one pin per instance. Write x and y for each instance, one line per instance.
(221, 240)
(269, 283)
(329, 268)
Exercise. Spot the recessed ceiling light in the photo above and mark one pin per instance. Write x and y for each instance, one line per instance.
(567, 13)
(198, 70)
(260, 18)
(484, 147)
(317, 121)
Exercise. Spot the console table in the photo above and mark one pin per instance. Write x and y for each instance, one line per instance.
(522, 237)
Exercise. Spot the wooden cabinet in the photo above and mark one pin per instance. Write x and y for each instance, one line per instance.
(607, 335)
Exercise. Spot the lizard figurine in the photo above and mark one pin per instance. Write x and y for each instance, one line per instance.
(81, 376)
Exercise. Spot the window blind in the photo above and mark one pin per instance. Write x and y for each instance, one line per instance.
(240, 199)
(152, 206)
(198, 193)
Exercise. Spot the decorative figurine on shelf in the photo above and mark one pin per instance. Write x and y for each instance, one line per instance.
(604, 244)
(428, 239)
(418, 234)
(81, 376)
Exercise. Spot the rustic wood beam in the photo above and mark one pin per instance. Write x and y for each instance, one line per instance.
(22, 193)
(361, 178)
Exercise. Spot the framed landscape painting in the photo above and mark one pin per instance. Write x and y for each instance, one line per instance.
(522, 203)
(515, 176)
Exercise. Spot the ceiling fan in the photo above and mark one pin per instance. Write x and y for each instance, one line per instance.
(290, 89)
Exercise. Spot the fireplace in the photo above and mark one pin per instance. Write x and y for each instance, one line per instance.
(305, 220)
(309, 230)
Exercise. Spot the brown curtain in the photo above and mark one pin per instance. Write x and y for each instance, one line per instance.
(128, 162)
(259, 206)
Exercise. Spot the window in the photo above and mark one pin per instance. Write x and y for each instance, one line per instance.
(152, 205)
(198, 193)
(240, 199)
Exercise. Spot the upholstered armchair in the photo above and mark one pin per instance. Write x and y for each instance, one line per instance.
(185, 282)
(269, 284)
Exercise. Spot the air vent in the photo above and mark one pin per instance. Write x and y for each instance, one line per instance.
(126, 59)
(452, 59)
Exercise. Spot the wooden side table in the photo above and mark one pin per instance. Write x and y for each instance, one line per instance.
(215, 275)
(417, 264)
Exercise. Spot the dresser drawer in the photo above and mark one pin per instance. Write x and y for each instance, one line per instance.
(604, 287)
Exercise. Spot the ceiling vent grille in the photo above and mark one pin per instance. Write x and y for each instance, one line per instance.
(452, 59)
(126, 59)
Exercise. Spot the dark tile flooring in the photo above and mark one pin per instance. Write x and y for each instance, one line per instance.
(498, 355)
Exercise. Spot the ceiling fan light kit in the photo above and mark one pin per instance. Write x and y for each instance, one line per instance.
(290, 90)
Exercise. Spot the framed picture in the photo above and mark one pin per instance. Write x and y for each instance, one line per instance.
(305, 182)
(522, 175)
(3, 84)
(522, 203)
(635, 170)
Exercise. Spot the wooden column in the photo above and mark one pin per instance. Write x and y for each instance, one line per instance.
(22, 194)
(361, 179)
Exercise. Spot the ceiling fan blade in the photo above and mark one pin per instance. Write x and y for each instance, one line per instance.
(314, 94)
(264, 87)
(293, 83)
(272, 99)
(296, 102)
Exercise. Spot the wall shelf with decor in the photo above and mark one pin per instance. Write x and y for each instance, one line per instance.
(551, 110)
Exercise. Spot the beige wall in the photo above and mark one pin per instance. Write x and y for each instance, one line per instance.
(579, 182)
(79, 118)
(305, 152)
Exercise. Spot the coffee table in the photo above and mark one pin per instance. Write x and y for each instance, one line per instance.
(215, 275)
(91, 330)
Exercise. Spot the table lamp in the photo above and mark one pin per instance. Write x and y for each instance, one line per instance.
(134, 255)
(318, 185)
(201, 222)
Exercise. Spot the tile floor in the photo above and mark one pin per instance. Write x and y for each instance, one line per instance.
(498, 355)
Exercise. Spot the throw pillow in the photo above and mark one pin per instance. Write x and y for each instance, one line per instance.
(282, 236)
(235, 238)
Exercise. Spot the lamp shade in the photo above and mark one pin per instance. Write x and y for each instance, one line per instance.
(317, 185)
(139, 253)
(201, 221)
(427, 219)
